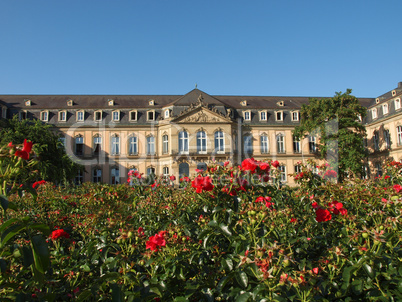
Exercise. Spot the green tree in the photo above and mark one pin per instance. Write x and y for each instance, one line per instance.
(54, 164)
(335, 122)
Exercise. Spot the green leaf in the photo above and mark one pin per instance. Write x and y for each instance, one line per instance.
(213, 223)
(41, 227)
(7, 223)
(347, 273)
(4, 202)
(225, 229)
(244, 297)
(217, 209)
(368, 269)
(180, 299)
(117, 295)
(242, 279)
(227, 264)
(40, 253)
(28, 256)
(357, 286)
(12, 206)
(11, 232)
(3, 265)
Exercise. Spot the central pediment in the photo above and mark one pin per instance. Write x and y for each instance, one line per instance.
(202, 115)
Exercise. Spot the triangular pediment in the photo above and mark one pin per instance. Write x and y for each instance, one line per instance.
(197, 96)
(202, 115)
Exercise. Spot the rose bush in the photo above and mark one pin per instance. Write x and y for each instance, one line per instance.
(230, 234)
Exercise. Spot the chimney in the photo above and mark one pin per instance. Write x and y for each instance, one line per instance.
(400, 85)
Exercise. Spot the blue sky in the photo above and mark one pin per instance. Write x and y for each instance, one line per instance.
(279, 48)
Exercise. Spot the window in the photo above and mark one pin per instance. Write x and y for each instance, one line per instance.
(399, 135)
(44, 116)
(115, 145)
(397, 104)
(96, 175)
(97, 145)
(62, 141)
(79, 145)
(279, 116)
(165, 144)
(150, 171)
(219, 142)
(296, 144)
(298, 169)
(280, 143)
(110, 102)
(263, 115)
(247, 115)
(376, 141)
(312, 144)
(27, 102)
(62, 116)
(202, 166)
(98, 116)
(166, 113)
(132, 145)
(115, 176)
(183, 142)
(374, 113)
(150, 145)
(150, 115)
(116, 116)
(133, 116)
(248, 145)
(70, 103)
(264, 144)
(387, 139)
(23, 115)
(166, 171)
(151, 102)
(80, 116)
(282, 169)
(384, 109)
(243, 103)
(79, 178)
(295, 116)
(201, 142)
(378, 168)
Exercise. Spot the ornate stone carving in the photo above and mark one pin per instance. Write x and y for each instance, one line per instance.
(201, 117)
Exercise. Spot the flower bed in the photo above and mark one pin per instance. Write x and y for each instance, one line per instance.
(227, 235)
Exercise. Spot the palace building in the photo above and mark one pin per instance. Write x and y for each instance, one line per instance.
(176, 134)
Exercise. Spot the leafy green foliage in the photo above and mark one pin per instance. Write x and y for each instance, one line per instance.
(336, 122)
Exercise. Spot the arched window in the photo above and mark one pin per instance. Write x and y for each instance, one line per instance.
(201, 142)
(399, 135)
(219, 142)
(165, 144)
(166, 171)
(183, 142)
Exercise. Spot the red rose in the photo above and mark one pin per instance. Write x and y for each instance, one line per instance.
(323, 215)
(249, 164)
(398, 188)
(156, 241)
(264, 167)
(56, 234)
(201, 183)
(275, 164)
(140, 231)
(172, 178)
(24, 153)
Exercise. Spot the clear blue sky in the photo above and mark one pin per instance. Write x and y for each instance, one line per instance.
(279, 48)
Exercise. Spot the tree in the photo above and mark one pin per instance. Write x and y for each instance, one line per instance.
(336, 122)
(54, 164)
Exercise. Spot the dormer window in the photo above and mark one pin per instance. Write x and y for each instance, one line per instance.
(70, 103)
(247, 115)
(167, 113)
(263, 115)
(281, 103)
(377, 100)
(44, 116)
(62, 116)
(151, 102)
(243, 103)
(27, 102)
(279, 116)
(393, 92)
(374, 113)
(133, 116)
(23, 115)
(110, 102)
(295, 116)
(385, 109)
(397, 104)
(98, 116)
(116, 116)
(80, 116)
(151, 115)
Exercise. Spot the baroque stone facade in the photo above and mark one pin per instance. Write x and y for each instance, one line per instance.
(176, 134)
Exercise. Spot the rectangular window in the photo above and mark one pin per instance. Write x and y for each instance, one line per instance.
(298, 169)
(248, 145)
(62, 140)
(312, 144)
(166, 171)
(280, 143)
(97, 145)
(62, 116)
(115, 176)
(387, 139)
(133, 116)
(80, 116)
(201, 142)
(79, 178)
(295, 116)
(399, 135)
(263, 116)
(151, 115)
(96, 175)
(397, 104)
(116, 116)
(264, 144)
(385, 109)
(183, 142)
(219, 142)
(150, 145)
(279, 116)
(374, 113)
(98, 116)
(115, 148)
(23, 115)
(165, 144)
(44, 116)
(133, 146)
(247, 116)
(296, 144)
(376, 141)
(79, 145)
(282, 169)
